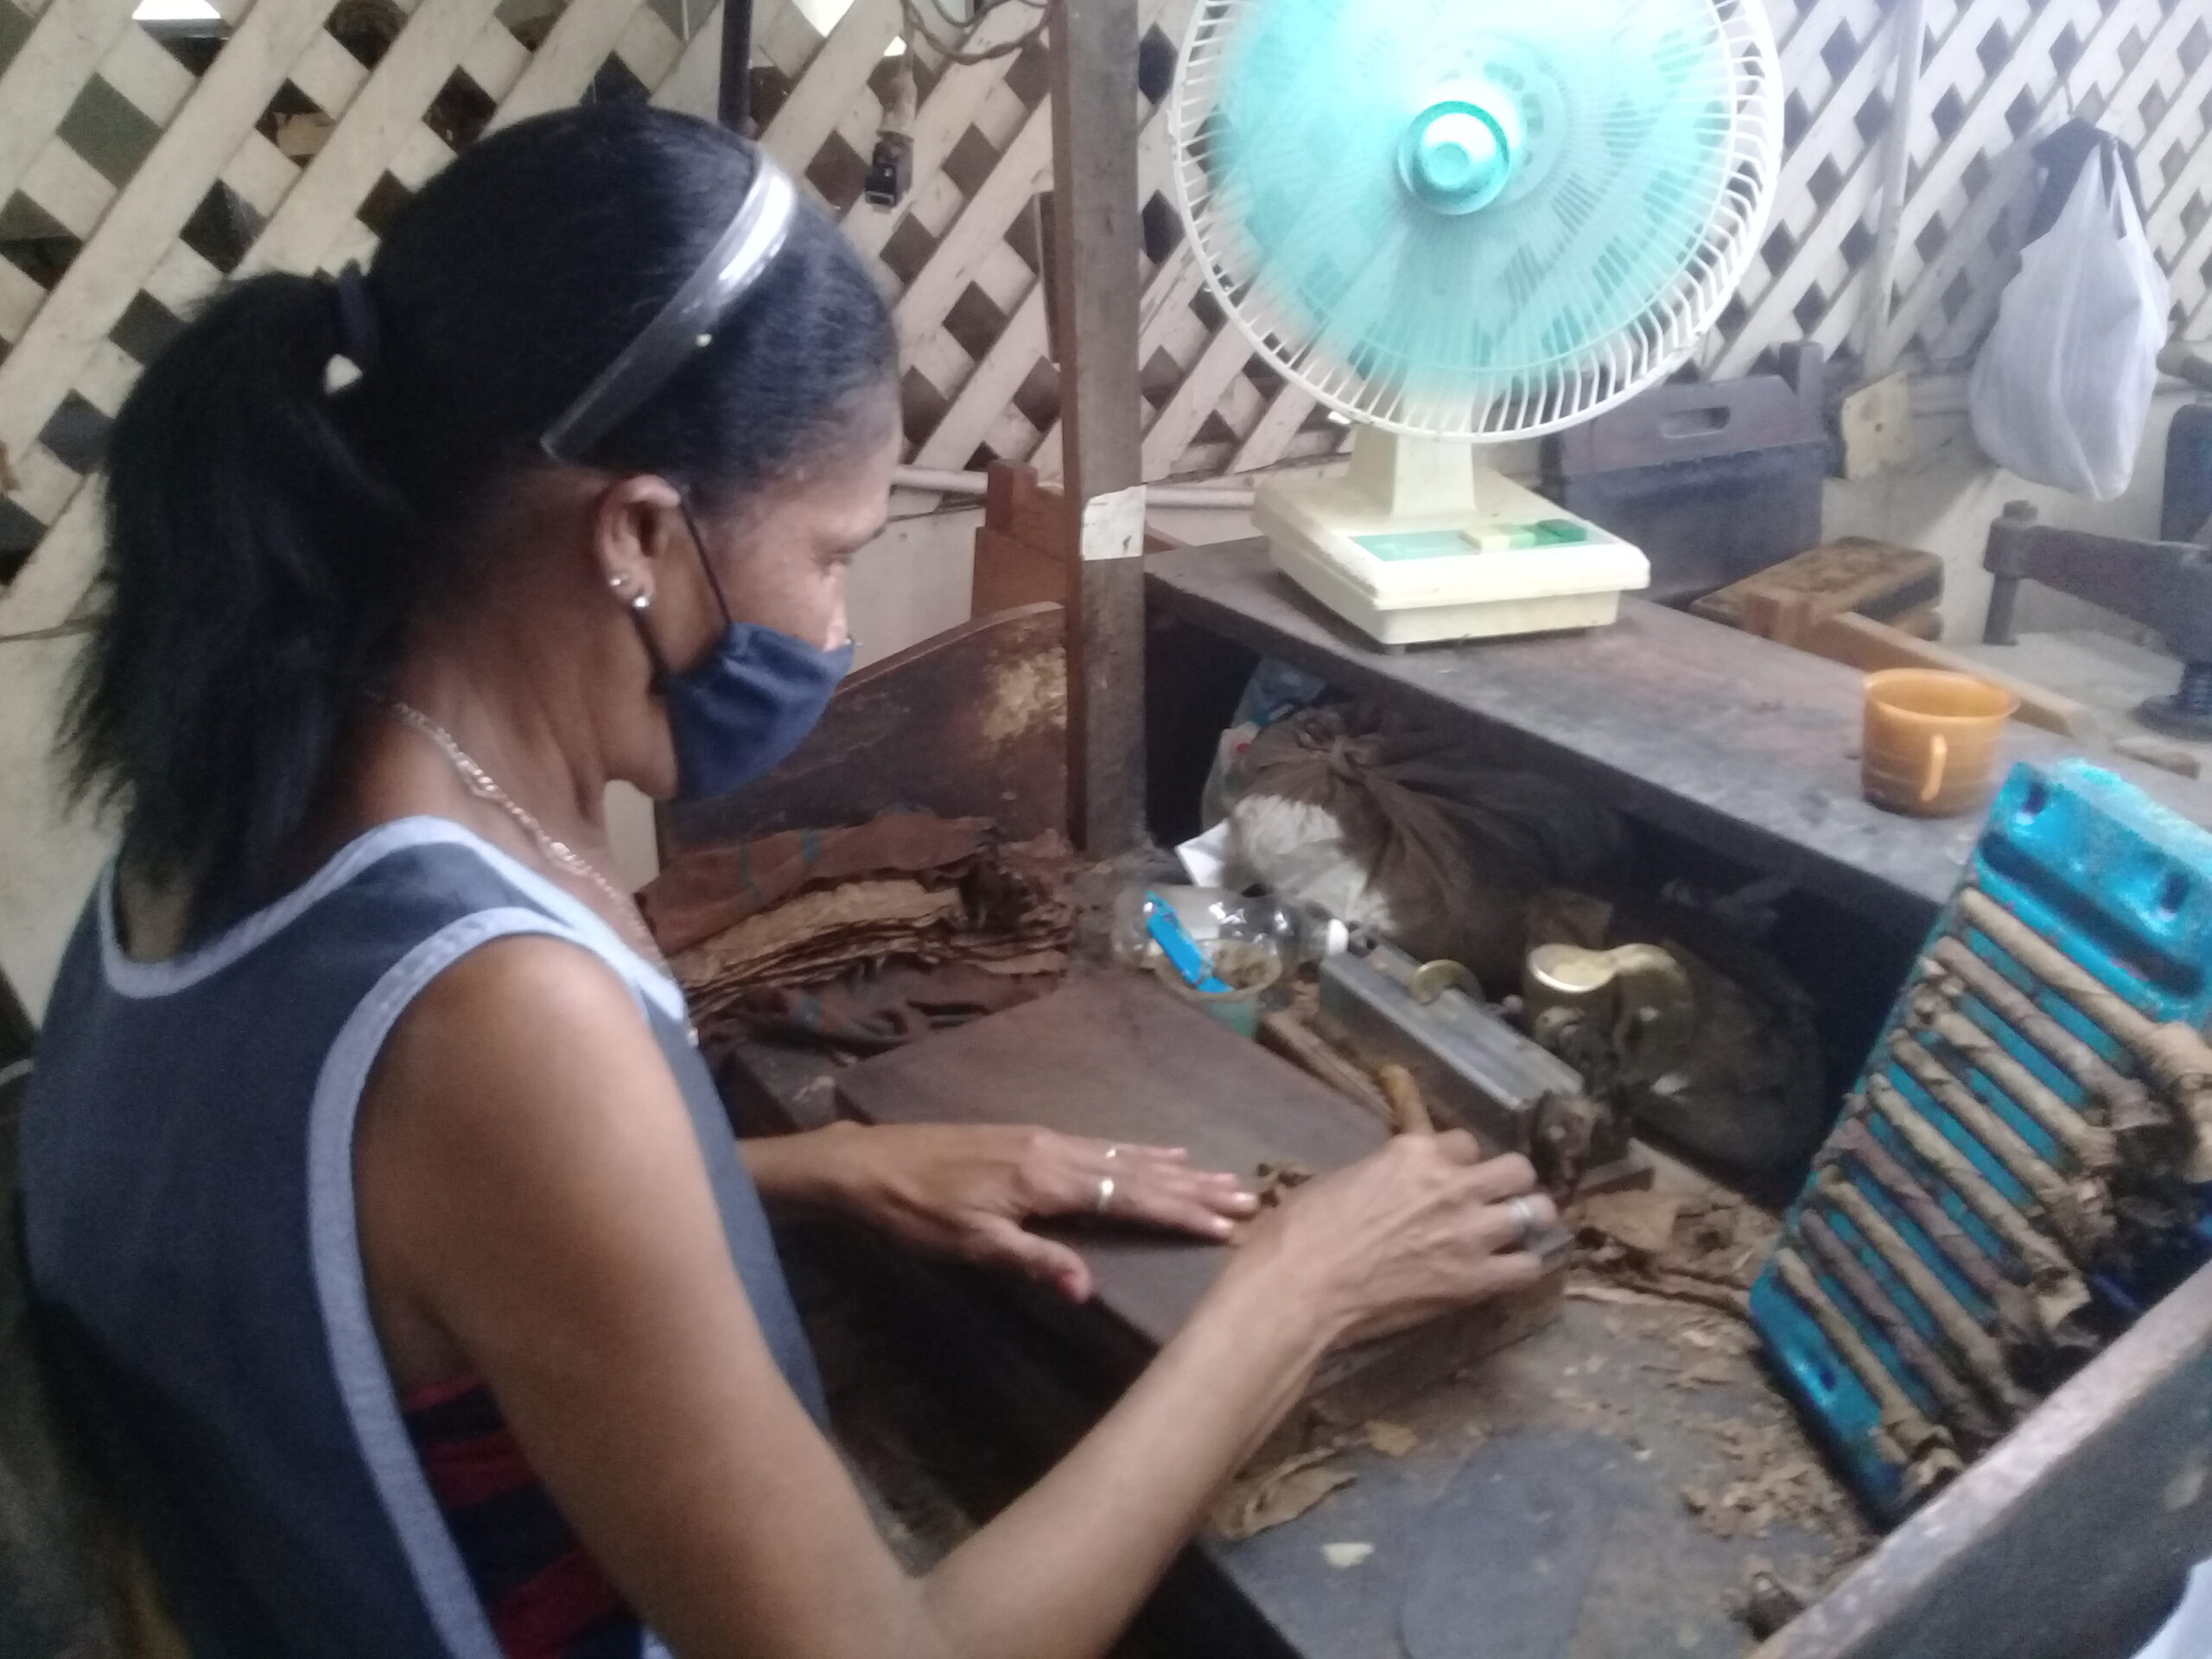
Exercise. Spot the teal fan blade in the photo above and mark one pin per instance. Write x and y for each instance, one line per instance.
(1475, 218)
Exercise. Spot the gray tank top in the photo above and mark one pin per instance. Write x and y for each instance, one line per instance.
(189, 1218)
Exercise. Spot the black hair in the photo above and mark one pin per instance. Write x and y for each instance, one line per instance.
(269, 538)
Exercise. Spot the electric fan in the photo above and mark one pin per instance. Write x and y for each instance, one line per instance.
(1459, 222)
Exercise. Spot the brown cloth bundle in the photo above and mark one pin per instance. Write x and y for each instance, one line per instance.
(1455, 845)
(751, 929)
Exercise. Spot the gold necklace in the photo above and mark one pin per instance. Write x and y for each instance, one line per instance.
(484, 786)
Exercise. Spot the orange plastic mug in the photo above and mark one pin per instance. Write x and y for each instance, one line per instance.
(1931, 738)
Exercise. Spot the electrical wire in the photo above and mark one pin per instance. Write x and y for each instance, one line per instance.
(899, 107)
(917, 28)
(60, 631)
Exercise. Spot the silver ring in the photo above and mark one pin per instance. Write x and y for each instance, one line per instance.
(1105, 1195)
(1525, 1218)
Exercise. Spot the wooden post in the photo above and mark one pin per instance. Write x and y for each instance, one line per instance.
(1094, 274)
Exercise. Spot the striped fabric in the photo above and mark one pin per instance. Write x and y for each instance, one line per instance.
(546, 1598)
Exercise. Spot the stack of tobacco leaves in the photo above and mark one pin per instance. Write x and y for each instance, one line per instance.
(805, 908)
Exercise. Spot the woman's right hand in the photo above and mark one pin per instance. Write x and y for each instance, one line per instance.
(1424, 1225)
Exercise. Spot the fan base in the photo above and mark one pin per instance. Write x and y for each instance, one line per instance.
(1484, 566)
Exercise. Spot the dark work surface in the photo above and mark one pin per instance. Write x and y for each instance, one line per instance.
(1586, 1416)
(1728, 739)
(1596, 1405)
(1115, 1056)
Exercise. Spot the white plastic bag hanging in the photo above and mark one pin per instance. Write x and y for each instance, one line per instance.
(2062, 386)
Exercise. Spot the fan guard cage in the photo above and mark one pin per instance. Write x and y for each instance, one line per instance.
(1536, 396)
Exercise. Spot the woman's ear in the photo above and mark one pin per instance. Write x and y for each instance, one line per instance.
(637, 526)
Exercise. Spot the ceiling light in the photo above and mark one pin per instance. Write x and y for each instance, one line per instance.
(174, 11)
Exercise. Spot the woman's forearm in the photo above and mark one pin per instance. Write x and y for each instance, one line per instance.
(812, 1170)
(1419, 1227)
(1060, 1573)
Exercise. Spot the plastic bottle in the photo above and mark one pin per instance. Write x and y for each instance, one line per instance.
(1213, 934)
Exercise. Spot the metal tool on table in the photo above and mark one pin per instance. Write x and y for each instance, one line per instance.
(1622, 1016)
(2025, 1164)
(1476, 1071)
(2166, 586)
(2185, 502)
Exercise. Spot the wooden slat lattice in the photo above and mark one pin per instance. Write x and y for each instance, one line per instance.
(137, 172)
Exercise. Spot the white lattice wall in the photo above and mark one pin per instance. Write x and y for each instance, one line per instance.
(1995, 75)
(135, 173)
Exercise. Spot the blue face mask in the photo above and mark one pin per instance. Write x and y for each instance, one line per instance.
(747, 707)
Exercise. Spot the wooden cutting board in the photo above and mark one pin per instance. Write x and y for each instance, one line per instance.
(1117, 1056)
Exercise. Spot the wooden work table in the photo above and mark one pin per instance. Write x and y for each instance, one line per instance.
(1590, 1429)
(1579, 1440)
(2018, 1558)
(1731, 742)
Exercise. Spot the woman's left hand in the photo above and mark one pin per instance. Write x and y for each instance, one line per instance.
(965, 1191)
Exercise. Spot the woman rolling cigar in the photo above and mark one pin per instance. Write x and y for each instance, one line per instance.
(379, 1208)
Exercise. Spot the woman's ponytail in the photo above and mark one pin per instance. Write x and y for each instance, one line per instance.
(252, 593)
(269, 541)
